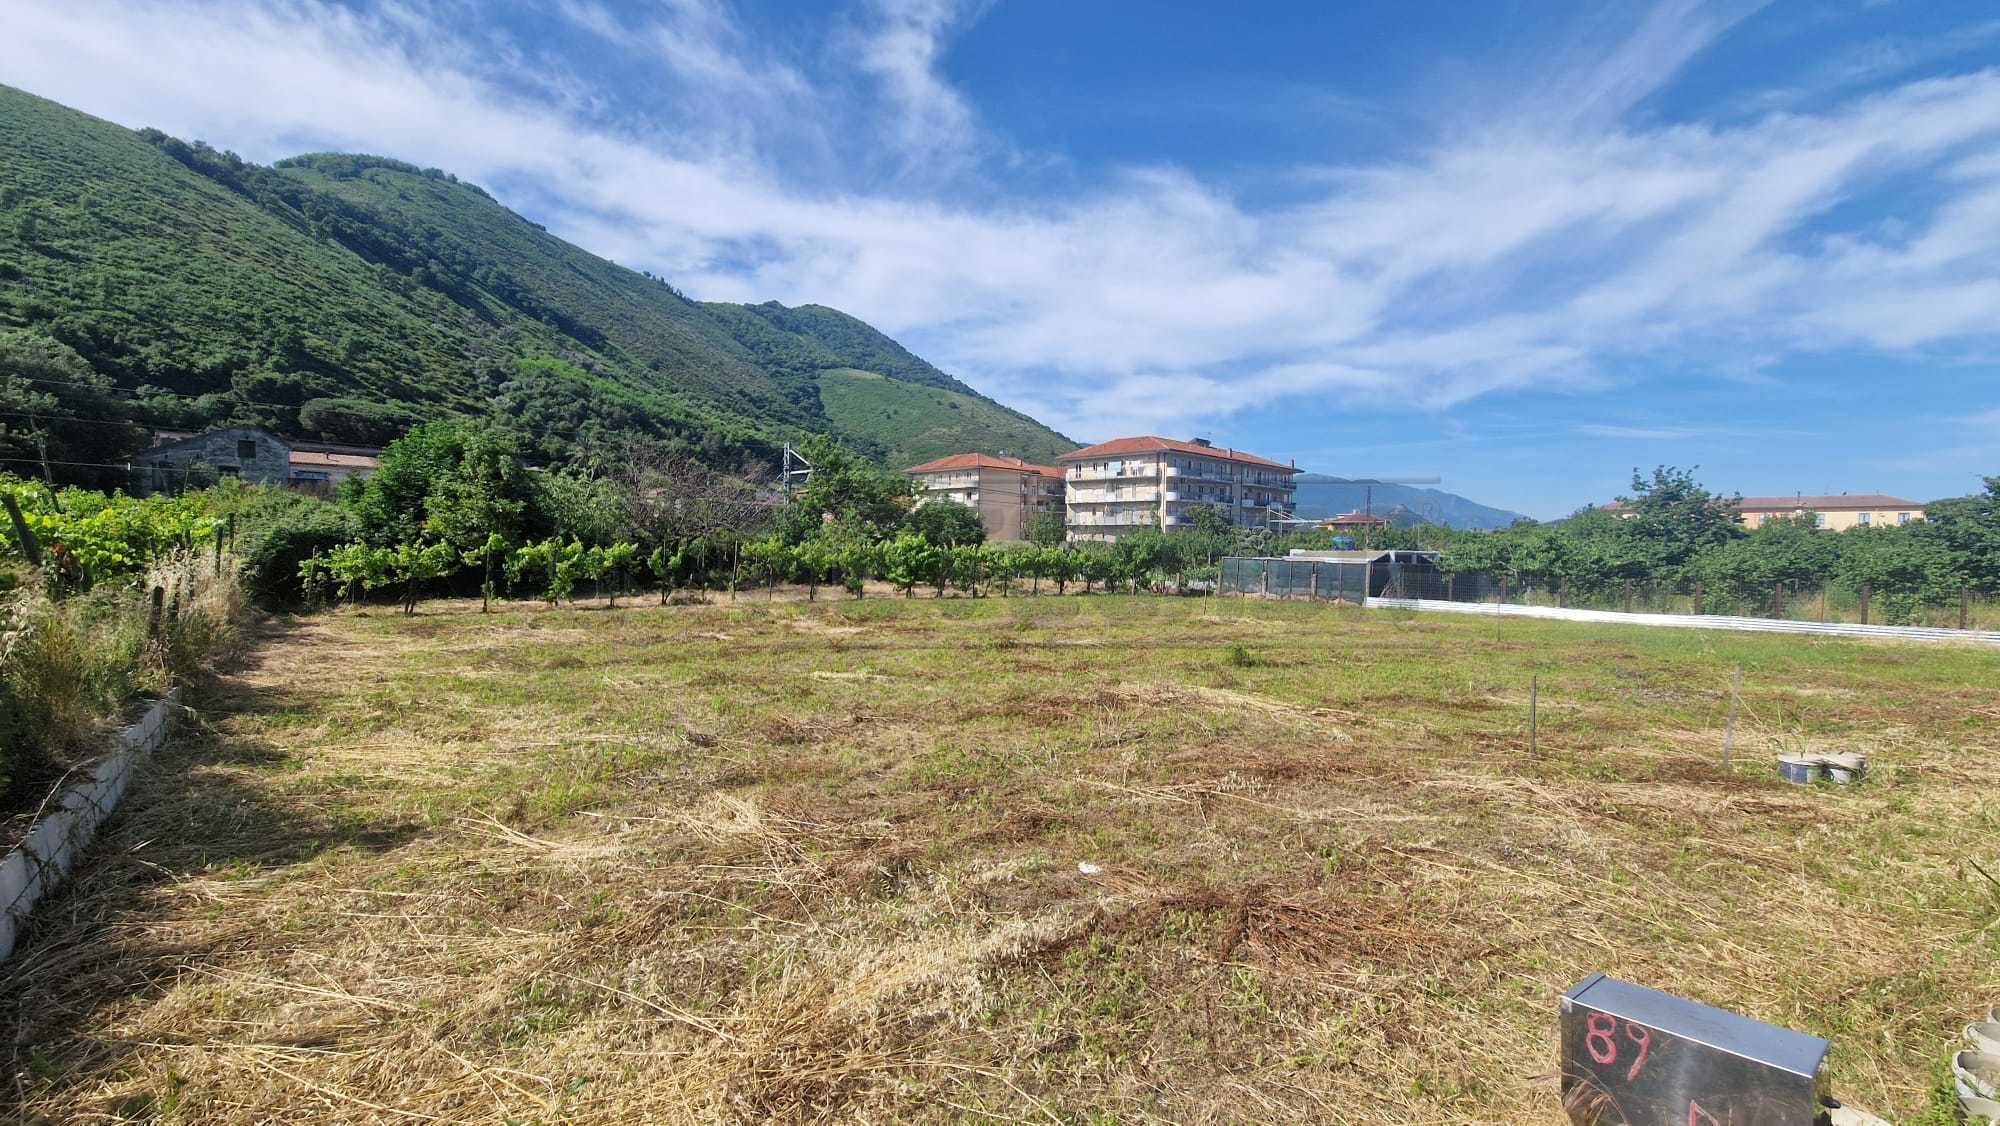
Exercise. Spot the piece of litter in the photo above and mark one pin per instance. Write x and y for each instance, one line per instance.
(1087, 868)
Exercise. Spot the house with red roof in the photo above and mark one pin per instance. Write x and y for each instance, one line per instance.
(1007, 491)
(1117, 486)
(1834, 513)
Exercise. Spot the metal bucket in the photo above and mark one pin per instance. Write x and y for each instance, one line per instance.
(1844, 768)
(1799, 769)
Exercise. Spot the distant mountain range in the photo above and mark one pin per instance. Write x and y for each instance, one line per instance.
(1321, 496)
(345, 298)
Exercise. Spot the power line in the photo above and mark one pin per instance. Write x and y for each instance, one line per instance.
(94, 464)
(133, 393)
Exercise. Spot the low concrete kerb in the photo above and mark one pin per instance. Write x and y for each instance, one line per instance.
(52, 845)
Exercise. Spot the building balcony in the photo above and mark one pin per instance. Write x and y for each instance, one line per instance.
(1130, 496)
(1129, 473)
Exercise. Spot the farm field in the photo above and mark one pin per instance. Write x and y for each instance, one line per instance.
(820, 861)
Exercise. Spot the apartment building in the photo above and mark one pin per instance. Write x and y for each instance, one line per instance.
(1148, 482)
(1007, 491)
(1834, 513)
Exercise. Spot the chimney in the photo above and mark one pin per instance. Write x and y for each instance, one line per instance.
(1203, 442)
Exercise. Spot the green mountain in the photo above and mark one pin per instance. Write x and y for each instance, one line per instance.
(346, 297)
(1320, 496)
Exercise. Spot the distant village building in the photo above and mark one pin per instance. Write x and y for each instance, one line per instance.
(1354, 522)
(249, 454)
(1148, 482)
(1834, 513)
(1007, 492)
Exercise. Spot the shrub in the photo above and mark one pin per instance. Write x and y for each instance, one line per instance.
(68, 668)
(273, 547)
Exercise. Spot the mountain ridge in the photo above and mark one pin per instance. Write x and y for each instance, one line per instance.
(343, 297)
(1321, 495)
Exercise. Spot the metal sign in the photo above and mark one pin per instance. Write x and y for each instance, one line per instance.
(1633, 1056)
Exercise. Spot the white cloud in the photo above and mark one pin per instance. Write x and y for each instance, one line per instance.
(1532, 252)
(903, 48)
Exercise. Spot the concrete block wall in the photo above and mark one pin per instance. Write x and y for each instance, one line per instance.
(46, 856)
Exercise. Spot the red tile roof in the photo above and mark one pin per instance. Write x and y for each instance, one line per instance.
(1150, 444)
(329, 459)
(1845, 502)
(983, 461)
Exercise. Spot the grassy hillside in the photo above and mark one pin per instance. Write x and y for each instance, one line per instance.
(877, 392)
(345, 297)
(914, 423)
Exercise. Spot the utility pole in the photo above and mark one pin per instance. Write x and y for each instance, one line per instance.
(796, 468)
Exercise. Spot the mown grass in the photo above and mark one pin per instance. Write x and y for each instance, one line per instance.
(821, 862)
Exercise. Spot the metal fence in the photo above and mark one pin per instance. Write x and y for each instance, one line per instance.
(1326, 579)
(1829, 603)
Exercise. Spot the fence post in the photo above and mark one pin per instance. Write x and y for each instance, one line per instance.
(31, 549)
(1534, 719)
(1266, 572)
(1697, 599)
(1628, 596)
(1312, 584)
(1562, 592)
(1450, 583)
(1965, 607)
(1729, 733)
(1866, 590)
(1504, 584)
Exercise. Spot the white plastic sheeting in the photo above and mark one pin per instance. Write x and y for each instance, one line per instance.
(1688, 621)
(58, 837)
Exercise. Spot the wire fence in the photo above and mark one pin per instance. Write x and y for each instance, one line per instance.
(1831, 602)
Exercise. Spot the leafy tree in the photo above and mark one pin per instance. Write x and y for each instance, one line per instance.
(1966, 530)
(54, 408)
(413, 565)
(1750, 569)
(844, 487)
(1678, 518)
(452, 480)
(1136, 555)
(582, 506)
(1047, 529)
(354, 421)
(946, 523)
(488, 557)
(910, 559)
(283, 533)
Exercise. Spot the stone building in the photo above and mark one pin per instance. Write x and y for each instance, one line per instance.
(250, 454)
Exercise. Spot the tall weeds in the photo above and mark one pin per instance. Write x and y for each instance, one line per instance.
(69, 667)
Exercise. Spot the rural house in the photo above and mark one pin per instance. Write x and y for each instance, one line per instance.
(1834, 513)
(250, 454)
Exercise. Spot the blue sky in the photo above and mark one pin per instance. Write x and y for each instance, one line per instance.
(1523, 246)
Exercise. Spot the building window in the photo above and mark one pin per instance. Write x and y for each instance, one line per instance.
(1819, 519)
(1864, 518)
(246, 449)
(1902, 517)
(229, 470)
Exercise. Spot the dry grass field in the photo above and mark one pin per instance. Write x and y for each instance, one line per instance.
(820, 862)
